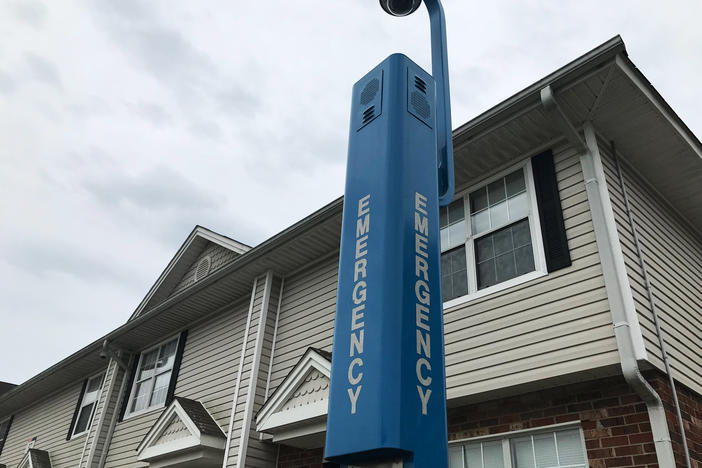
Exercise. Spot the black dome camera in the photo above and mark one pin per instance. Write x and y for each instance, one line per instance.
(400, 7)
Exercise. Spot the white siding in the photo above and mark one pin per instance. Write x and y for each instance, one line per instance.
(672, 253)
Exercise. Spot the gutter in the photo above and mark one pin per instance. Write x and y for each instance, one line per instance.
(627, 331)
(626, 327)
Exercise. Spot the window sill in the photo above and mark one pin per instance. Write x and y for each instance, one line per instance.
(143, 412)
(494, 289)
(78, 436)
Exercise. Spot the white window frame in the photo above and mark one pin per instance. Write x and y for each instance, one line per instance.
(128, 413)
(83, 403)
(534, 230)
(505, 438)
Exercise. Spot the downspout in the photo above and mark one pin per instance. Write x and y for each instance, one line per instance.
(619, 293)
(654, 307)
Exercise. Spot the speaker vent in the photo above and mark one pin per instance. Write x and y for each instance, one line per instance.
(420, 84)
(368, 115)
(420, 105)
(369, 91)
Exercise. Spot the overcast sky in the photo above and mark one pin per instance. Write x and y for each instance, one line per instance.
(123, 124)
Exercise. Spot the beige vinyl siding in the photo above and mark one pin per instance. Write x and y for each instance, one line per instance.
(549, 327)
(306, 316)
(48, 421)
(672, 253)
(245, 374)
(219, 256)
(631, 258)
(207, 374)
(262, 453)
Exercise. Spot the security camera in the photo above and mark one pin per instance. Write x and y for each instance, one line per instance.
(400, 7)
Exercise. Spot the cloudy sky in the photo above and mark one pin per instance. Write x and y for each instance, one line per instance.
(125, 123)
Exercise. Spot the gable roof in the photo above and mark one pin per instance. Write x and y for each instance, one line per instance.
(300, 399)
(35, 458)
(185, 425)
(182, 260)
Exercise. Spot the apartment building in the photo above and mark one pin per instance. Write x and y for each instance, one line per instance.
(572, 288)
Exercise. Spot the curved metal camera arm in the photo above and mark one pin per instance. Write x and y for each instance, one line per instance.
(439, 69)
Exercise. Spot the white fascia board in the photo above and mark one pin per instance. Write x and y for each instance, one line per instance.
(172, 447)
(295, 415)
(300, 431)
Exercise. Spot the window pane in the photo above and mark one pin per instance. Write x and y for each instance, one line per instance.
(492, 455)
(167, 355)
(503, 241)
(496, 192)
(454, 279)
(484, 249)
(486, 274)
(141, 397)
(474, 458)
(444, 239)
(518, 206)
(83, 419)
(94, 384)
(480, 222)
(499, 214)
(521, 233)
(456, 234)
(160, 389)
(505, 267)
(524, 258)
(570, 447)
(478, 200)
(456, 211)
(456, 457)
(523, 453)
(515, 183)
(545, 450)
(146, 368)
(443, 216)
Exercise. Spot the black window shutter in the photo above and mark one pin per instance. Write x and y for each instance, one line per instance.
(550, 212)
(176, 367)
(4, 432)
(128, 388)
(75, 413)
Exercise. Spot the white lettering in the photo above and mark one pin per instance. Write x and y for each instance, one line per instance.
(421, 362)
(359, 269)
(353, 397)
(362, 225)
(421, 290)
(364, 205)
(422, 316)
(421, 266)
(359, 362)
(420, 245)
(361, 246)
(423, 397)
(357, 317)
(421, 224)
(359, 292)
(423, 343)
(420, 203)
(356, 343)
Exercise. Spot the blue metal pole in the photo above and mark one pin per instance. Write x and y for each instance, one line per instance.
(439, 69)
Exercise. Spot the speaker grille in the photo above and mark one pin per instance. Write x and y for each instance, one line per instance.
(420, 84)
(369, 91)
(420, 104)
(368, 115)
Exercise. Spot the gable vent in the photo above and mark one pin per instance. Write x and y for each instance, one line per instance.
(203, 268)
(369, 91)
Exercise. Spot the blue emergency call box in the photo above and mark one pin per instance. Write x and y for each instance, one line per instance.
(387, 393)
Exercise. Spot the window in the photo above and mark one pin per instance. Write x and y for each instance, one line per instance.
(152, 378)
(86, 408)
(490, 236)
(552, 449)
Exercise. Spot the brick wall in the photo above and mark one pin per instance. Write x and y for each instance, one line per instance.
(691, 410)
(614, 421)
